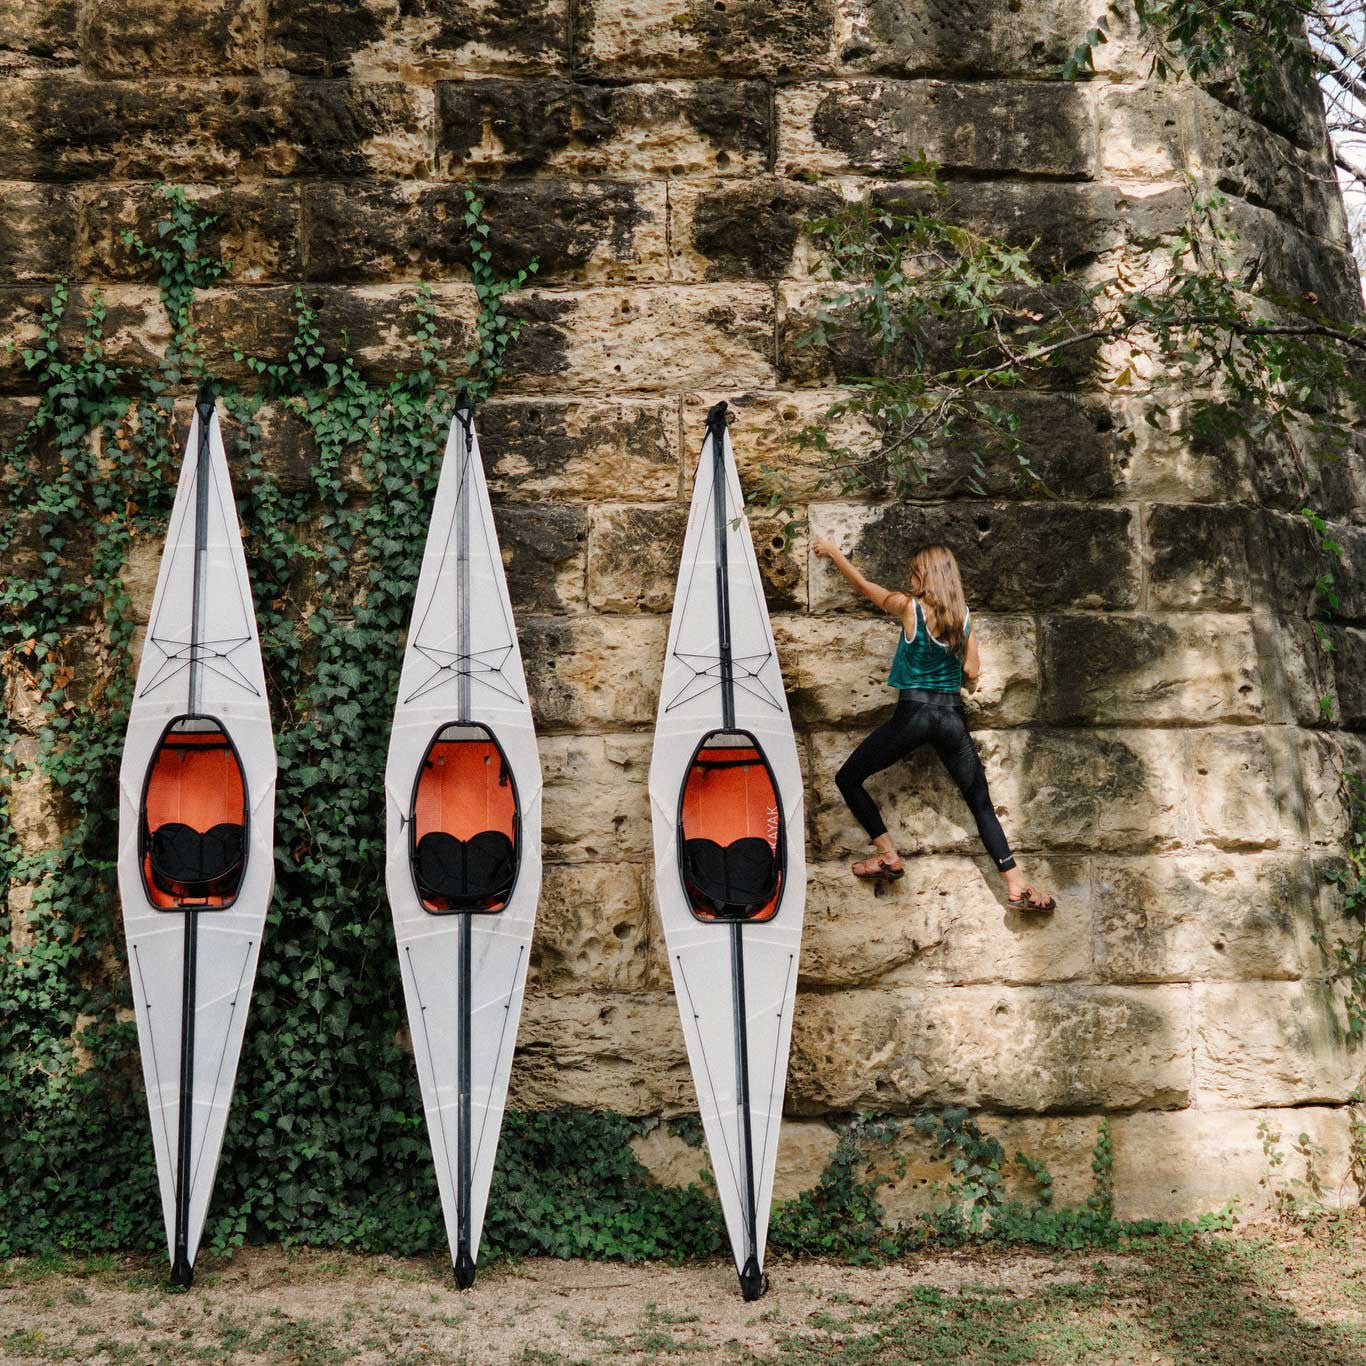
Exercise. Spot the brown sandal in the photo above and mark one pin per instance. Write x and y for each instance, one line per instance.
(1028, 901)
(881, 869)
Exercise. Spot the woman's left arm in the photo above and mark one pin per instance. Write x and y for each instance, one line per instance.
(892, 602)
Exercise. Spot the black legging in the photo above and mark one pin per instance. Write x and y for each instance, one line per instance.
(919, 721)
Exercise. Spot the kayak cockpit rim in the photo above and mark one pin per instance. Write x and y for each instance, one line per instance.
(218, 740)
(436, 786)
(774, 831)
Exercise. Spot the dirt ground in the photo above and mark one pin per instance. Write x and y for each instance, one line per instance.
(1268, 1296)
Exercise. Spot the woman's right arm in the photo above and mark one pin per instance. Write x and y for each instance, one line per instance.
(972, 663)
(894, 604)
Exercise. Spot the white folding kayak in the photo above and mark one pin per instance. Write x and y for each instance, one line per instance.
(463, 803)
(196, 828)
(730, 857)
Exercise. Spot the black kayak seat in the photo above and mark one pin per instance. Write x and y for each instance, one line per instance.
(186, 862)
(736, 879)
(467, 873)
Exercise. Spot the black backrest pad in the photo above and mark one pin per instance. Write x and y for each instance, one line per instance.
(465, 872)
(180, 854)
(742, 875)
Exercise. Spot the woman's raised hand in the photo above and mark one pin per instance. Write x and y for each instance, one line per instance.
(825, 547)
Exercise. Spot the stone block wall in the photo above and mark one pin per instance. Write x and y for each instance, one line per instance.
(1149, 711)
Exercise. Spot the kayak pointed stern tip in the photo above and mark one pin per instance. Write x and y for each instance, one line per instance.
(753, 1282)
(182, 1272)
(464, 1270)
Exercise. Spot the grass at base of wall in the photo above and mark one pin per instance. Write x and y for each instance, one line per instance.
(1293, 1295)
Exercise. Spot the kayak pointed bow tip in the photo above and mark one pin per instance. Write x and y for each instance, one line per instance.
(753, 1282)
(464, 1271)
(716, 418)
(182, 1274)
(464, 406)
(205, 401)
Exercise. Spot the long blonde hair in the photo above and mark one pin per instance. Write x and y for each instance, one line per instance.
(936, 583)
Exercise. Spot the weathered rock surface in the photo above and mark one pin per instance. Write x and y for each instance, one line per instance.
(1163, 733)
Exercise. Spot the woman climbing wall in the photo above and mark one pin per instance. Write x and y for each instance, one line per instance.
(936, 652)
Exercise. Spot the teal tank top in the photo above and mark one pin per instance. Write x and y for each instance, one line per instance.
(922, 662)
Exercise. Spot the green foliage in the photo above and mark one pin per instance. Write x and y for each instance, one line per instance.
(840, 1216)
(947, 323)
(1258, 43)
(568, 1185)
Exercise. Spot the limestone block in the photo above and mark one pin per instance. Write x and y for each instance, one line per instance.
(1052, 790)
(1245, 790)
(742, 229)
(1060, 224)
(569, 450)
(1200, 557)
(1240, 156)
(593, 672)
(1016, 1048)
(38, 35)
(634, 560)
(1290, 261)
(847, 354)
(1184, 1163)
(622, 340)
(1271, 1043)
(255, 230)
(633, 557)
(992, 127)
(1092, 561)
(285, 441)
(1143, 133)
(139, 576)
(596, 803)
(1298, 672)
(805, 1148)
(836, 670)
(36, 810)
(135, 328)
(19, 904)
(917, 1175)
(592, 928)
(669, 1159)
(575, 230)
(418, 40)
(1169, 466)
(189, 37)
(37, 232)
(764, 432)
(944, 924)
(194, 130)
(600, 1051)
(660, 128)
(544, 552)
(1180, 669)
(1349, 669)
(924, 38)
(1323, 759)
(1205, 917)
(376, 322)
(617, 39)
